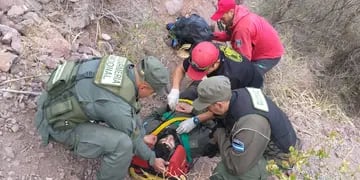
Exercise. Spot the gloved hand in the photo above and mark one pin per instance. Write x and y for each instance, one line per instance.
(186, 126)
(173, 98)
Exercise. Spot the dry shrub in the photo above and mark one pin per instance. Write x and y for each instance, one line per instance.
(328, 33)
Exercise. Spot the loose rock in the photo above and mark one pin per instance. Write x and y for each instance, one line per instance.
(33, 16)
(6, 60)
(106, 37)
(174, 6)
(15, 128)
(79, 22)
(16, 11)
(15, 37)
(9, 152)
(5, 4)
(33, 5)
(6, 39)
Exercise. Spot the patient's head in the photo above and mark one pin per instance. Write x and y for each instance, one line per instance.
(166, 144)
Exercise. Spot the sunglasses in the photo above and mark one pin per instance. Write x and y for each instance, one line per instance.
(196, 67)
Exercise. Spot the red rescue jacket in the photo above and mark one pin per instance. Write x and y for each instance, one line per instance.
(252, 36)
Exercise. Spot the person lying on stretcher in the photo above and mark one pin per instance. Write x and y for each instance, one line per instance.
(178, 149)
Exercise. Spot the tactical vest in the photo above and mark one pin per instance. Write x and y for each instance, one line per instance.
(115, 74)
(251, 101)
(62, 108)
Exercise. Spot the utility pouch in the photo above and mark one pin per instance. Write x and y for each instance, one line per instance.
(61, 77)
(65, 114)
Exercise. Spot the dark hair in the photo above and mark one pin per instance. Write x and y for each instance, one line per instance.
(163, 150)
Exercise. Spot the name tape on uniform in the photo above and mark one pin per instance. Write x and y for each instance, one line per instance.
(113, 70)
(258, 99)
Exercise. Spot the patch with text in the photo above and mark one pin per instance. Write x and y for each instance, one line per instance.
(113, 70)
(258, 99)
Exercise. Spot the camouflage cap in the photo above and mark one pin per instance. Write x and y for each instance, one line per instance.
(211, 90)
(154, 73)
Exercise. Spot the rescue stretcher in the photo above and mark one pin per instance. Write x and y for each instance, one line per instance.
(179, 164)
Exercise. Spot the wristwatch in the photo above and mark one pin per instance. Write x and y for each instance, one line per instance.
(196, 120)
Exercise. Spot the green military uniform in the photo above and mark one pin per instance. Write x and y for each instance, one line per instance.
(254, 132)
(121, 137)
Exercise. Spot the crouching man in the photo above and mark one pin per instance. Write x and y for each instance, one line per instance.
(248, 122)
(80, 95)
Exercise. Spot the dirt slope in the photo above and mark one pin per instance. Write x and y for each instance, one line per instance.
(59, 30)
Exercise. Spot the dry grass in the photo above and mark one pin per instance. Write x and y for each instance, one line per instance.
(313, 109)
(315, 113)
(328, 30)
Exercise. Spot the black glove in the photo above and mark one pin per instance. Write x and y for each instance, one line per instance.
(210, 150)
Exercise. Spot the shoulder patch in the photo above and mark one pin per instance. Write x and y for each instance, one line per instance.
(238, 43)
(238, 146)
(258, 99)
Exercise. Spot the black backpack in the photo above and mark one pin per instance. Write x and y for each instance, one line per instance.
(190, 30)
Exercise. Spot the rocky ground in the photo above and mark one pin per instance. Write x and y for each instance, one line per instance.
(36, 35)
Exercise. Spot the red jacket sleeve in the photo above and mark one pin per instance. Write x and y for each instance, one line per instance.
(221, 36)
(241, 42)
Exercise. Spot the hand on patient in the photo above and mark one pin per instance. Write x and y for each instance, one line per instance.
(150, 140)
(184, 107)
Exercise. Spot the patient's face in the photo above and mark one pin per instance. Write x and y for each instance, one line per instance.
(169, 141)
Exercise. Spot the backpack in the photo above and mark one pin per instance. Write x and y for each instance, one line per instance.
(189, 30)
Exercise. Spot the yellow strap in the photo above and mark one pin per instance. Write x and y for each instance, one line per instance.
(166, 124)
(147, 175)
(170, 121)
(186, 101)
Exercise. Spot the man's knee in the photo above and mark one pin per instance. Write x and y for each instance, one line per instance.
(119, 144)
(124, 144)
(256, 172)
(91, 141)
